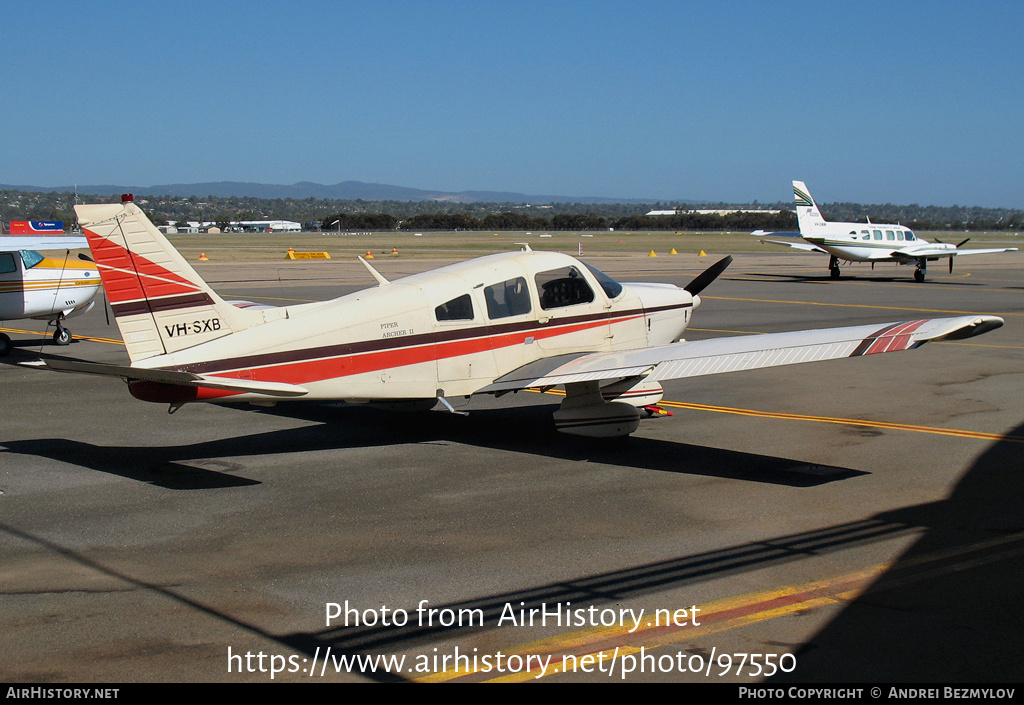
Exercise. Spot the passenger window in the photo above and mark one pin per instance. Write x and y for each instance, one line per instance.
(507, 298)
(866, 235)
(459, 309)
(899, 235)
(889, 235)
(878, 234)
(563, 287)
(7, 263)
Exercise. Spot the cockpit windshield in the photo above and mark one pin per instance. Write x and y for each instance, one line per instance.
(611, 287)
(31, 258)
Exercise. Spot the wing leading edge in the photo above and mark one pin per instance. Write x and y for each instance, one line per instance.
(720, 355)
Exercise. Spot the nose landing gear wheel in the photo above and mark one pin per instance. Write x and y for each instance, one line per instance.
(62, 336)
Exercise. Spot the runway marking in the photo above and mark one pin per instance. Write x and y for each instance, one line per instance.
(720, 615)
(604, 644)
(76, 336)
(979, 435)
(826, 303)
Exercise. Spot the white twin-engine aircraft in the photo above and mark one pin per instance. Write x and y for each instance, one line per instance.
(864, 242)
(35, 286)
(492, 325)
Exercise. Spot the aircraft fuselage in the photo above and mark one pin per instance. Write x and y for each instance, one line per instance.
(446, 332)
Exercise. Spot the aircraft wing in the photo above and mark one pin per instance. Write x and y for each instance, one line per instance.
(719, 355)
(9, 243)
(793, 240)
(919, 252)
(185, 379)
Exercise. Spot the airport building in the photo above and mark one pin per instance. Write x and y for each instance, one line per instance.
(243, 226)
(726, 211)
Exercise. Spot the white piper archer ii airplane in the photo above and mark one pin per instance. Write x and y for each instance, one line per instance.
(864, 242)
(491, 325)
(34, 286)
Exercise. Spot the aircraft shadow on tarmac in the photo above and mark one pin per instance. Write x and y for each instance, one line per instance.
(947, 611)
(520, 429)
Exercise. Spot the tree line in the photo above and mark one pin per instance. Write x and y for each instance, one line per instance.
(510, 221)
(362, 215)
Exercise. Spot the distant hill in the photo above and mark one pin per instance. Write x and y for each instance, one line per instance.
(346, 190)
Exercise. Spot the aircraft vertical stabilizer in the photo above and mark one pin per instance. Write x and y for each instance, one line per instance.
(807, 214)
(159, 301)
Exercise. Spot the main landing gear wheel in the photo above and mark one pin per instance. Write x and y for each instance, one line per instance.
(919, 272)
(833, 267)
(5, 345)
(62, 336)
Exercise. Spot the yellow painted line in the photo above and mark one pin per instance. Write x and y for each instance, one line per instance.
(980, 435)
(826, 303)
(602, 644)
(274, 298)
(46, 334)
(721, 615)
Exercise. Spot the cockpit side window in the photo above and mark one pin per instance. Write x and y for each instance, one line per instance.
(508, 298)
(910, 236)
(563, 287)
(7, 263)
(458, 309)
(31, 258)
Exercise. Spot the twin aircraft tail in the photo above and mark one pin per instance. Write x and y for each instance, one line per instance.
(160, 303)
(807, 214)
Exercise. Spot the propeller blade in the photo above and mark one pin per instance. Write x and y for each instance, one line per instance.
(950, 265)
(84, 257)
(701, 281)
(962, 243)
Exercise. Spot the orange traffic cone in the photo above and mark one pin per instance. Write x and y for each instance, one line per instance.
(203, 257)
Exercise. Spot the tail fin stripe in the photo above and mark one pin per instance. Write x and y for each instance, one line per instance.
(802, 199)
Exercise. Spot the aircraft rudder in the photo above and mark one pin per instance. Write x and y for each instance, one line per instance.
(160, 303)
(807, 214)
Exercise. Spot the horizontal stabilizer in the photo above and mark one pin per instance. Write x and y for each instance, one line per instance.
(801, 245)
(183, 379)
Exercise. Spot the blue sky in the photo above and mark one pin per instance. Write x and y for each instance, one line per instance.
(873, 102)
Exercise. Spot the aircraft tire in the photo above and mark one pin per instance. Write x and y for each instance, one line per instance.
(5, 345)
(62, 336)
(834, 272)
(918, 275)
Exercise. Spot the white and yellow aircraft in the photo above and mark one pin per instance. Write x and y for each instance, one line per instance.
(864, 242)
(34, 286)
(491, 325)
